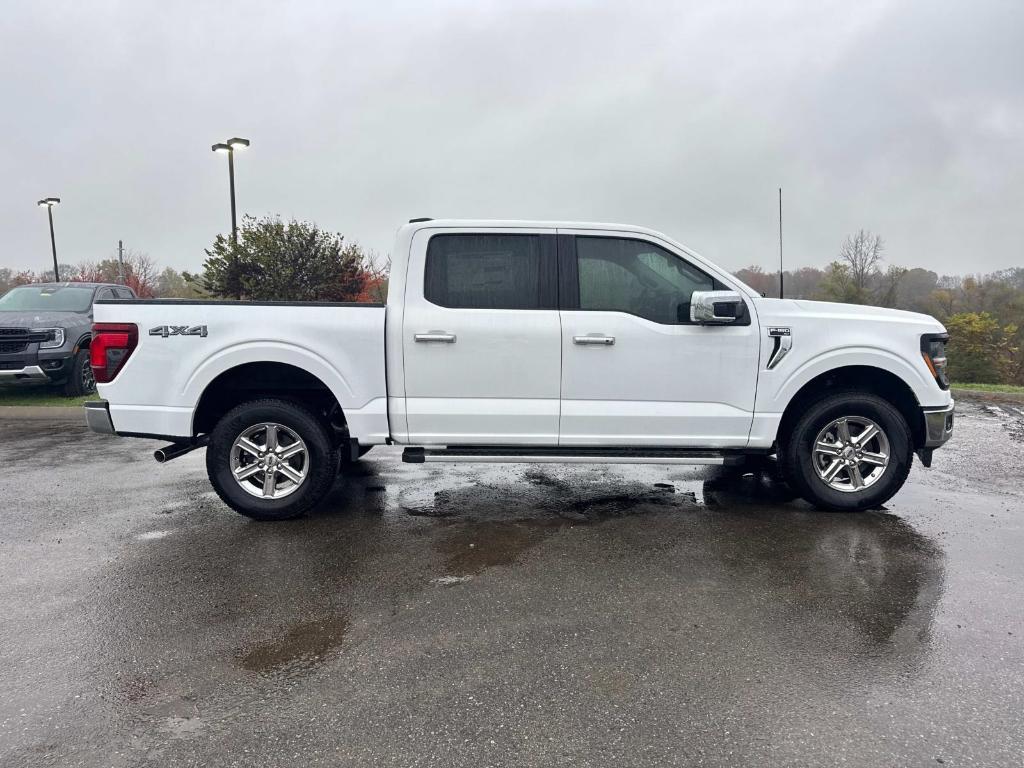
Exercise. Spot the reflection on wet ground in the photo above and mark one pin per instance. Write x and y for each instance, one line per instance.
(299, 646)
(495, 615)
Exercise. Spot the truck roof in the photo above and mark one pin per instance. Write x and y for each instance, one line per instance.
(72, 283)
(427, 223)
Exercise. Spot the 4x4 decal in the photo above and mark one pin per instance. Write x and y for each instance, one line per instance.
(178, 330)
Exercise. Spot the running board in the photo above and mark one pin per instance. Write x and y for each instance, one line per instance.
(503, 454)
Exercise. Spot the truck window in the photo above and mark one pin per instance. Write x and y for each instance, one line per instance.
(637, 277)
(480, 271)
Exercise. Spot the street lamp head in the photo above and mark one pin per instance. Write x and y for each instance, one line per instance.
(237, 143)
(220, 148)
(48, 202)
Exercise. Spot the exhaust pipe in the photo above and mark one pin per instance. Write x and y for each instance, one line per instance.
(174, 450)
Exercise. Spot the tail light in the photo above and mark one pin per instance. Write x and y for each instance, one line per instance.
(933, 350)
(112, 345)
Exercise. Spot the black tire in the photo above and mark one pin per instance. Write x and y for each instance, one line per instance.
(322, 458)
(80, 380)
(797, 457)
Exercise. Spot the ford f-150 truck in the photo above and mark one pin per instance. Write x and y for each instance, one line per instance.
(510, 341)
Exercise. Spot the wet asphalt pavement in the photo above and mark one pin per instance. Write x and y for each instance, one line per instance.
(526, 615)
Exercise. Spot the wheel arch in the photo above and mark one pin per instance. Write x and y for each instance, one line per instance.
(862, 378)
(267, 378)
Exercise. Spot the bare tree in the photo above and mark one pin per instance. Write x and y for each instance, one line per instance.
(139, 272)
(862, 254)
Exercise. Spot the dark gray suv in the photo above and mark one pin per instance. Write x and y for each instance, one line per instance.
(45, 330)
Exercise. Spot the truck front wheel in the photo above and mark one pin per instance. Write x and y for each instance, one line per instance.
(850, 451)
(271, 459)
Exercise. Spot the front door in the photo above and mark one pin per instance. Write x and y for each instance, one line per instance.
(482, 338)
(635, 370)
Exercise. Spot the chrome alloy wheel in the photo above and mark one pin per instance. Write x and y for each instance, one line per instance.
(851, 454)
(269, 461)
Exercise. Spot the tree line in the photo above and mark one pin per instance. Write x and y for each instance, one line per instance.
(278, 260)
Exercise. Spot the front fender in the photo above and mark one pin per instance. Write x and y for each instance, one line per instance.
(776, 394)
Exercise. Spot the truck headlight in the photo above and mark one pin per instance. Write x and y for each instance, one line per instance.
(933, 350)
(54, 337)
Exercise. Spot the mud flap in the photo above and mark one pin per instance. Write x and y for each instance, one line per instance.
(925, 455)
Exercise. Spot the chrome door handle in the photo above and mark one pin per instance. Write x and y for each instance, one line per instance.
(437, 336)
(605, 341)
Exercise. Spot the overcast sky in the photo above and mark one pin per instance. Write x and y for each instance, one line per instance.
(902, 117)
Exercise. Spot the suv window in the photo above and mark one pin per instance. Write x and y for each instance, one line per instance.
(479, 271)
(635, 276)
(104, 293)
(124, 293)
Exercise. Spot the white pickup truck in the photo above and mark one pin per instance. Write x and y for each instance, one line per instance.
(511, 341)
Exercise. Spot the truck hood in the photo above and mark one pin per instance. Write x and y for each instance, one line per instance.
(777, 310)
(44, 319)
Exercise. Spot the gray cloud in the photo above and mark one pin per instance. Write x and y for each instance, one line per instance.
(903, 117)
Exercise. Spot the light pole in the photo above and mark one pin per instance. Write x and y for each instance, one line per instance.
(230, 146)
(48, 203)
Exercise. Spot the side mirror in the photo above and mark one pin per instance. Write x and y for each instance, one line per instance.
(716, 307)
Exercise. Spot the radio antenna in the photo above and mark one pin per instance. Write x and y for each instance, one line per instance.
(781, 277)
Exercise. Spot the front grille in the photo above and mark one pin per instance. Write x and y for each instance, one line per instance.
(9, 347)
(11, 365)
(20, 336)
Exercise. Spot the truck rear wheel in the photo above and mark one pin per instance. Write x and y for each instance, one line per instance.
(271, 459)
(849, 452)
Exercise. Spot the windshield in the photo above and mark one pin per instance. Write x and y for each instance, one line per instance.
(43, 298)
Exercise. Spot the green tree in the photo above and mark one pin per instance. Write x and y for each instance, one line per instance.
(284, 261)
(980, 349)
(171, 284)
(838, 284)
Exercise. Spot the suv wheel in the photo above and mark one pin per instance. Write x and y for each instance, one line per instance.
(271, 459)
(849, 452)
(81, 380)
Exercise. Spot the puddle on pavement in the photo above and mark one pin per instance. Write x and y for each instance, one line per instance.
(493, 522)
(583, 498)
(303, 646)
(874, 570)
(470, 548)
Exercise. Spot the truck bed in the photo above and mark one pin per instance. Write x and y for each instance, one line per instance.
(183, 346)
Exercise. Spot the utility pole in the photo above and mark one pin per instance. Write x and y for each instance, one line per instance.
(781, 277)
(120, 259)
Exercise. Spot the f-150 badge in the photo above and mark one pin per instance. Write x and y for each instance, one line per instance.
(178, 330)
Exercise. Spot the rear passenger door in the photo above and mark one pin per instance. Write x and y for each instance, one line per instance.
(482, 337)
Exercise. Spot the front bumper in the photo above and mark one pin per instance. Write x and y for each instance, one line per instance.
(40, 367)
(938, 423)
(97, 416)
(24, 373)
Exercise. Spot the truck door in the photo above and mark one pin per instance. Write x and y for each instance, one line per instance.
(482, 337)
(635, 370)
